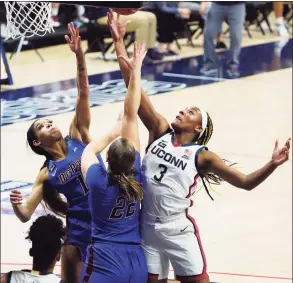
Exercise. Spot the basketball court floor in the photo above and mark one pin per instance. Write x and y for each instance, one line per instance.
(247, 236)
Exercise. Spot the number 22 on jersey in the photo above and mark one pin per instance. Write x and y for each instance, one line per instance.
(119, 210)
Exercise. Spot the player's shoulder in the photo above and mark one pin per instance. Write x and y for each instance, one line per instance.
(167, 133)
(43, 175)
(96, 171)
(72, 140)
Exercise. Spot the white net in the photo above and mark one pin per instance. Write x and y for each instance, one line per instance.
(26, 19)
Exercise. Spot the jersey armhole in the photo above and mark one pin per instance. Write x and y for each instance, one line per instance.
(100, 179)
(68, 138)
(196, 157)
(169, 130)
(76, 141)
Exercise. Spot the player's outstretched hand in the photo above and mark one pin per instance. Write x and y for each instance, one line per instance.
(139, 53)
(15, 197)
(281, 155)
(74, 40)
(117, 29)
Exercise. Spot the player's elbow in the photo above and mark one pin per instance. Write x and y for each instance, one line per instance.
(26, 215)
(24, 218)
(246, 184)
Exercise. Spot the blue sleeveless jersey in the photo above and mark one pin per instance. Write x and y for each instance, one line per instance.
(66, 177)
(114, 219)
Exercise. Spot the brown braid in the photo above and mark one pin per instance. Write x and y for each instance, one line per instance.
(203, 140)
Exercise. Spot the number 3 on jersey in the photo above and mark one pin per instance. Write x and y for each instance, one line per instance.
(82, 183)
(161, 173)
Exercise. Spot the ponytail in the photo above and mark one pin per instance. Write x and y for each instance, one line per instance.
(51, 198)
(131, 189)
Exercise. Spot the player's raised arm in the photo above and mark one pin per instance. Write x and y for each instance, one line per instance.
(89, 155)
(80, 125)
(234, 177)
(154, 122)
(133, 96)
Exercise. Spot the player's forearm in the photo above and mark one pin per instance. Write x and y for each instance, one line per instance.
(145, 104)
(121, 50)
(82, 76)
(99, 145)
(255, 178)
(133, 97)
(21, 212)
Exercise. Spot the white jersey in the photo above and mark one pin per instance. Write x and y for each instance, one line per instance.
(170, 176)
(28, 277)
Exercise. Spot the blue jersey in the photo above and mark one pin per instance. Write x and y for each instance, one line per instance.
(66, 177)
(114, 219)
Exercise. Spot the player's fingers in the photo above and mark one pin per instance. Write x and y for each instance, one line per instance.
(111, 14)
(77, 31)
(142, 47)
(15, 198)
(67, 38)
(135, 49)
(138, 47)
(144, 54)
(276, 144)
(16, 202)
(287, 144)
(16, 192)
(72, 29)
(109, 17)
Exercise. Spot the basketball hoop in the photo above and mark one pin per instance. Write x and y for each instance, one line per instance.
(26, 19)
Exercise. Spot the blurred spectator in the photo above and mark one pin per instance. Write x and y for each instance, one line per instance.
(281, 28)
(197, 8)
(193, 6)
(47, 235)
(234, 13)
(144, 24)
(169, 16)
(81, 18)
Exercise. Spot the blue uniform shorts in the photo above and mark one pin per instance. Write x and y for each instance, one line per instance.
(114, 263)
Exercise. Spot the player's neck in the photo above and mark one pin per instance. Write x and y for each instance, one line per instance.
(37, 271)
(183, 138)
(58, 150)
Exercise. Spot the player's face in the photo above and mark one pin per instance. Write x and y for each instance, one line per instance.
(46, 132)
(188, 120)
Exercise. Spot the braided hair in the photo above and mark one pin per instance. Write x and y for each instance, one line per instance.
(211, 178)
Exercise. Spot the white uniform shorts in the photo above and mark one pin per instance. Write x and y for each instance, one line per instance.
(172, 239)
